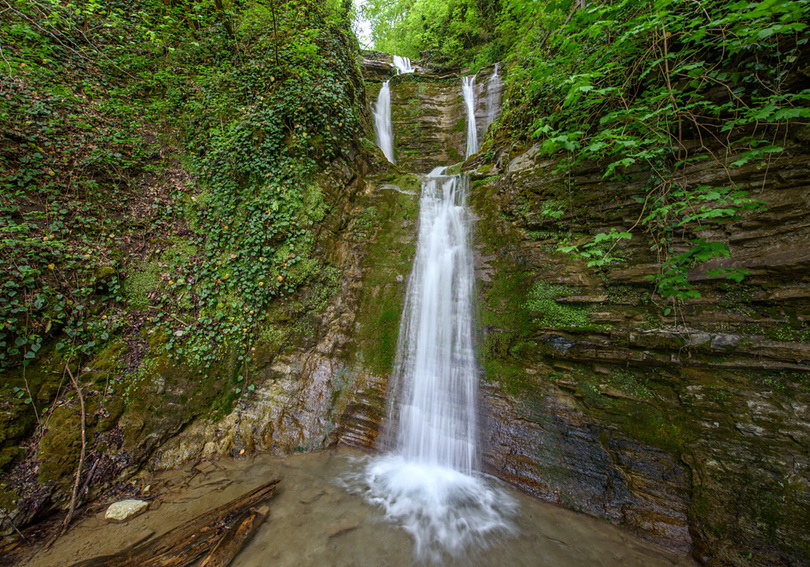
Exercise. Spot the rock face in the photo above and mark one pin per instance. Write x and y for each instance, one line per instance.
(429, 121)
(330, 388)
(428, 113)
(124, 510)
(689, 425)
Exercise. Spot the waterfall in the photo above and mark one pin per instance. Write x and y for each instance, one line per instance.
(436, 363)
(493, 97)
(468, 90)
(429, 483)
(383, 130)
(403, 64)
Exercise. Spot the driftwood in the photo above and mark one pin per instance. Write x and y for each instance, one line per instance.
(225, 528)
(232, 542)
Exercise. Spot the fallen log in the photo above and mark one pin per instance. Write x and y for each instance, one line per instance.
(235, 538)
(186, 543)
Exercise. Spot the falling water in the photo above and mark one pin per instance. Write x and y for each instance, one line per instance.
(436, 358)
(493, 97)
(429, 483)
(403, 64)
(383, 130)
(468, 90)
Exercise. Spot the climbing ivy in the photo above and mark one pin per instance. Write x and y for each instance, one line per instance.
(252, 100)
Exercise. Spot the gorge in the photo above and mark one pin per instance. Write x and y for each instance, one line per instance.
(231, 223)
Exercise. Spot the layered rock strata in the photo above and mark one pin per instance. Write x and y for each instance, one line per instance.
(688, 422)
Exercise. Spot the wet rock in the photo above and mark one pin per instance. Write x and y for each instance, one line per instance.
(688, 424)
(124, 510)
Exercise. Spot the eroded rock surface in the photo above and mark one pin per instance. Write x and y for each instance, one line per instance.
(688, 425)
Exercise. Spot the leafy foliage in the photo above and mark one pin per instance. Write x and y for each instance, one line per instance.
(628, 84)
(257, 99)
(446, 30)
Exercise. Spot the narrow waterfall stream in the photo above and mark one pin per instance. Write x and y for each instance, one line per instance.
(493, 97)
(468, 90)
(383, 129)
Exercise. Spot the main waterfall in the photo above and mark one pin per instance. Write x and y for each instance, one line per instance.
(429, 484)
(436, 363)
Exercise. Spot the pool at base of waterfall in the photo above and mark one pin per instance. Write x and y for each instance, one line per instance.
(321, 516)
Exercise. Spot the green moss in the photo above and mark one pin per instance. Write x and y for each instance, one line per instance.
(142, 279)
(60, 446)
(542, 300)
(388, 263)
(145, 276)
(630, 382)
(479, 182)
(365, 223)
(508, 375)
(670, 430)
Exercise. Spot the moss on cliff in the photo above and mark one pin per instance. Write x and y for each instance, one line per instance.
(388, 262)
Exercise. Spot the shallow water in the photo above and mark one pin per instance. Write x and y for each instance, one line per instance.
(316, 520)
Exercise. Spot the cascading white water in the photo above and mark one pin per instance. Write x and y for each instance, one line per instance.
(493, 97)
(383, 128)
(468, 90)
(403, 64)
(429, 483)
(436, 361)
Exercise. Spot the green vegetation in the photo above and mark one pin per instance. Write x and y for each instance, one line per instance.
(162, 188)
(442, 31)
(84, 135)
(644, 90)
(628, 84)
(542, 300)
(391, 229)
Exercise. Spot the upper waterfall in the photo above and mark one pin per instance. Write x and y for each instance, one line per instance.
(383, 129)
(403, 64)
(492, 101)
(468, 90)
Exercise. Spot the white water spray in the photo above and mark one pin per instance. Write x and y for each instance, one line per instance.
(492, 102)
(429, 484)
(383, 129)
(468, 90)
(403, 64)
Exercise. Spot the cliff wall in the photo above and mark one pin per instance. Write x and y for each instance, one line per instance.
(689, 425)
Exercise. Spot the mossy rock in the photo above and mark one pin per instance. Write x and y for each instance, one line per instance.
(60, 446)
(388, 262)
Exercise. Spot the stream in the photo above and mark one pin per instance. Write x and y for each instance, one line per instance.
(317, 519)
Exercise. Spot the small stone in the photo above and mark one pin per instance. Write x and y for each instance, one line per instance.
(124, 510)
(725, 341)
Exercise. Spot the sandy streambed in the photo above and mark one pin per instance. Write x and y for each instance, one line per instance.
(316, 519)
